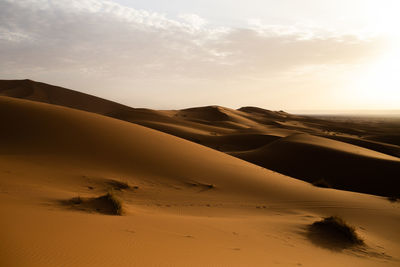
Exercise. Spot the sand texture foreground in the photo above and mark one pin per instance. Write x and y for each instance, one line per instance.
(66, 176)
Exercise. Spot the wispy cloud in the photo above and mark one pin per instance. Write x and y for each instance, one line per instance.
(103, 39)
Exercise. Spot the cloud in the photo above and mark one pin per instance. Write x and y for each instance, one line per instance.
(194, 20)
(103, 40)
(96, 33)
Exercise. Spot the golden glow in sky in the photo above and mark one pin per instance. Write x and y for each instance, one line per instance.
(377, 83)
(280, 55)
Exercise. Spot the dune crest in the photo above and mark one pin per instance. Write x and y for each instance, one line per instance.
(247, 133)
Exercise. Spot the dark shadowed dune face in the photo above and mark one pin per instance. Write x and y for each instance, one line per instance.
(350, 153)
(339, 164)
(206, 114)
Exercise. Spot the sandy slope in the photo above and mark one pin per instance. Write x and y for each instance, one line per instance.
(46, 93)
(248, 132)
(340, 164)
(186, 205)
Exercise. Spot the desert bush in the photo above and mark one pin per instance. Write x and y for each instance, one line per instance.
(114, 202)
(335, 229)
(106, 204)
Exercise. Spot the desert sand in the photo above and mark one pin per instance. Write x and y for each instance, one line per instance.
(184, 203)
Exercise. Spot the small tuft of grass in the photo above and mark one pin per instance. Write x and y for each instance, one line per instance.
(336, 231)
(114, 202)
(322, 183)
(105, 204)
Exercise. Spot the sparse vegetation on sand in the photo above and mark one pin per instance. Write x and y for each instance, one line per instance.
(114, 202)
(106, 204)
(334, 232)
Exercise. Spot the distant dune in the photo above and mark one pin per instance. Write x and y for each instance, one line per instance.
(36, 91)
(83, 189)
(337, 164)
(247, 133)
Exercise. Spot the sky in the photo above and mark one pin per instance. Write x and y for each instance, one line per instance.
(282, 55)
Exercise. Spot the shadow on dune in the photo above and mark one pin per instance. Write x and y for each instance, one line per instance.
(339, 165)
(333, 233)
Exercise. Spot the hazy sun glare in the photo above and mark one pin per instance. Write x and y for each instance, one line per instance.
(383, 17)
(377, 85)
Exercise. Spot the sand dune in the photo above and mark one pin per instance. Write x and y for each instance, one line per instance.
(183, 203)
(385, 148)
(248, 132)
(41, 129)
(339, 165)
(42, 92)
